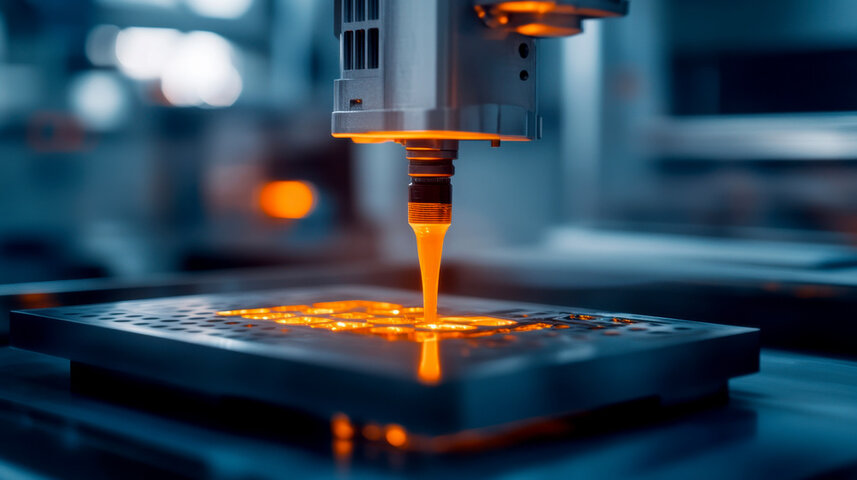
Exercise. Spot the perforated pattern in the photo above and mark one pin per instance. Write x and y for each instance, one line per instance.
(199, 315)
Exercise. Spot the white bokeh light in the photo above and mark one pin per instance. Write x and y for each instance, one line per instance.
(99, 99)
(143, 52)
(101, 45)
(220, 8)
(200, 71)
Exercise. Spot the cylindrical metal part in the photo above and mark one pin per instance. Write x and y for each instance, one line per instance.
(430, 168)
(430, 200)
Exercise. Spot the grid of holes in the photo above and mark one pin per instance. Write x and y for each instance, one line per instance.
(197, 317)
(609, 325)
(360, 46)
(360, 10)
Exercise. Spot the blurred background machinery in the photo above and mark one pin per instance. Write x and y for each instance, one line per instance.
(687, 144)
(697, 161)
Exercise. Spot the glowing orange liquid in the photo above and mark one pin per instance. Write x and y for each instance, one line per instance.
(429, 369)
(430, 249)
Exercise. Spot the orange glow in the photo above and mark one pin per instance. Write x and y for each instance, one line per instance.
(391, 320)
(540, 7)
(290, 308)
(340, 427)
(493, 322)
(37, 300)
(267, 316)
(372, 432)
(319, 311)
(337, 326)
(481, 321)
(429, 370)
(342, 449)
(301, 320)
(396, 435)
(393, 330)
(384, 311)
(429, 249)
(445, 327)
(246, 311)
(352, 317)
(532, 326)
(527, 7)
(287, 199)
(342, 306)
(392, 135)
(545, 30)
(380, 305)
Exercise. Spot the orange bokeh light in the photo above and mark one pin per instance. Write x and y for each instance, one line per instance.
(340, 426)
(396, 435)
(292, 199)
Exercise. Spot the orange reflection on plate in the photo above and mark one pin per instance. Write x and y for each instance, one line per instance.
(445, 327)
(352, 315)
(481, 321)
(384, 311)
(337, 326)
(340, 306)
(392, 330)
(289, 308)
(245, 311)
(532, 326)
(319, 311)
(301, 320)
(390, 320)
(267, 316)
(429, 368)
(394, 322)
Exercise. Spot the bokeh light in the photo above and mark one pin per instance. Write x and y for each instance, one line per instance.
(142, 52)
(220, 8)
(200, 71)
(287, 199)
(99, 99)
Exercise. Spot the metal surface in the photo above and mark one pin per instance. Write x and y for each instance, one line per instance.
(546, 18)
(440, 71)
(551, 362)
(794, 419)
(99, 290)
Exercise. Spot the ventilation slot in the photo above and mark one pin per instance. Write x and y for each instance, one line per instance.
(360, 50)
(348, 51)
(347, 10)
(373, 48)
(373, 11)
(359, 10)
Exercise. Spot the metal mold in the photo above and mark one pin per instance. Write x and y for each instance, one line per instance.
(548, 361)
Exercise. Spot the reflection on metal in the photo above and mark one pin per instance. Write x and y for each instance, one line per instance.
(391, 321)
(429, 371)
(356, 366)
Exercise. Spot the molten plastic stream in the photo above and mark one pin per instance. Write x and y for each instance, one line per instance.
(430, 248)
